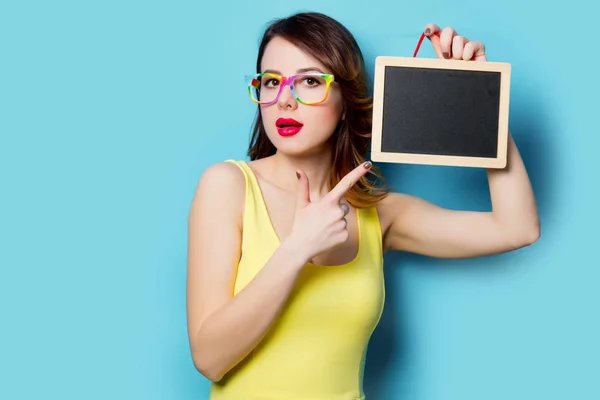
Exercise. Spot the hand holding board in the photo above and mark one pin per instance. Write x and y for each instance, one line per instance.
(441, 111)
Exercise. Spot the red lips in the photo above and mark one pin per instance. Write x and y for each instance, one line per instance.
(288, 126)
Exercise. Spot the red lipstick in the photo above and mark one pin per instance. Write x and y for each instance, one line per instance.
(288, 126)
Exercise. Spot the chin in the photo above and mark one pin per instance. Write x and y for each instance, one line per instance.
(300, 149)
(302, 143)
(292, 149)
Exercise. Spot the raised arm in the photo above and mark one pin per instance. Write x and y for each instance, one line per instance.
(421, 227)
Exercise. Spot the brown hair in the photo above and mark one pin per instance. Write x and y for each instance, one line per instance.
(334, 46)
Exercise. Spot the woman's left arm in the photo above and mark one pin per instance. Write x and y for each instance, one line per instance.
(422, 227)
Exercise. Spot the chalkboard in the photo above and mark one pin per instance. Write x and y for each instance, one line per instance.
(440, 112)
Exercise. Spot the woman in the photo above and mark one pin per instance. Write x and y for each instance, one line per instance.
(285, 280)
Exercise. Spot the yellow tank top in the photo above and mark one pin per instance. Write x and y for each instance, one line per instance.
(315, 349)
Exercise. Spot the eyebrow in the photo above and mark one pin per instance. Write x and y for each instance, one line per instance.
(300, 71)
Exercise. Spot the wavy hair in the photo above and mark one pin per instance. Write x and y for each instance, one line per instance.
(334, 46)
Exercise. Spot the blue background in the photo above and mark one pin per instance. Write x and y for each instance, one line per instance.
(111, 110)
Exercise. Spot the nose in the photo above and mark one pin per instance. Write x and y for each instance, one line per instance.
(286, 97)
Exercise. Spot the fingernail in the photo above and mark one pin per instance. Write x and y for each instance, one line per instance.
(367, 165)
(297, 175)
(445, 54)
(427, 31)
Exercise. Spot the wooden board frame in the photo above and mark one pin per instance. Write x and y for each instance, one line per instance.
(382, 62)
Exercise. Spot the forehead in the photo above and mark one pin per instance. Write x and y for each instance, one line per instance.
(282, 56)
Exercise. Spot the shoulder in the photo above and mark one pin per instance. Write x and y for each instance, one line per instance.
(221, 186)
(222, 176)
(385, 211)
(395, 203)
(391, 204)
(393, 208)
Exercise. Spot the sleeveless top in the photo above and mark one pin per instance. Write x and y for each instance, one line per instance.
(315, 349)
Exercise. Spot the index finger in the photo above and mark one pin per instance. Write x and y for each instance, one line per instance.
(348, 181)
(433, 31)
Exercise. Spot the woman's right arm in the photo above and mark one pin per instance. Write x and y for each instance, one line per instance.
(224, 329)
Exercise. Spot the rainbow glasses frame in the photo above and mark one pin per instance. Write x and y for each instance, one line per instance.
(288, 81)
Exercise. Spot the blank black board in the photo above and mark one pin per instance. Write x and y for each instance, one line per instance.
(441, 112)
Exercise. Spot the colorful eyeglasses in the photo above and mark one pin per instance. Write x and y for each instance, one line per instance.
(308, 89)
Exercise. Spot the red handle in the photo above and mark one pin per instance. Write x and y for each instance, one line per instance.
(420, 41)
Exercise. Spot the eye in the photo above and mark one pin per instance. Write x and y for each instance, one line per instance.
(269, 82)
(311, 81)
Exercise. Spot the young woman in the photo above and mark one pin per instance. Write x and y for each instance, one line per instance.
(285, 277)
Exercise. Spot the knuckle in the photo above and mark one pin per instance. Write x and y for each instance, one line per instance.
(448, 30)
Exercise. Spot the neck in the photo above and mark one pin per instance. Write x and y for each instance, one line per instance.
(317, 168)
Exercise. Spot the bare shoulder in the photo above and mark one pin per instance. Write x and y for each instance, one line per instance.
(221, 178)
(391, 208)
(221, 184)
(218, 201)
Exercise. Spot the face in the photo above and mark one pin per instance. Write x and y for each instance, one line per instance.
(318, 121)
